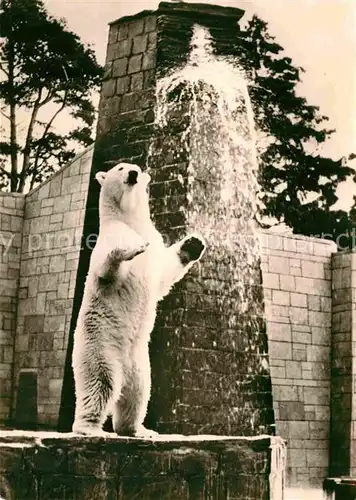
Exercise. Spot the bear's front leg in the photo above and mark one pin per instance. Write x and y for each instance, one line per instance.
(118, 244)
(178, 259)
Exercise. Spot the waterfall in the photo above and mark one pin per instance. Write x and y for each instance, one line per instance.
(203, 112)
(220, 139)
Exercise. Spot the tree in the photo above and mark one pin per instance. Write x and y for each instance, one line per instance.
(299, 184)
(47, 71)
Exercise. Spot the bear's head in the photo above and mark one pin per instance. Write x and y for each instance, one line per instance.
(124, 192)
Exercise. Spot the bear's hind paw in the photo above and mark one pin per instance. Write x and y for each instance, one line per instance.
(144, 433)
(86, 430)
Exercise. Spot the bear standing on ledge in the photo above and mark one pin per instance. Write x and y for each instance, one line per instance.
(130, 271)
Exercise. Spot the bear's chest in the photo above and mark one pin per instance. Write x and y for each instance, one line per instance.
(127, 313)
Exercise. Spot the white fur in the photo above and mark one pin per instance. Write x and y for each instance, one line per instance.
(130, 271)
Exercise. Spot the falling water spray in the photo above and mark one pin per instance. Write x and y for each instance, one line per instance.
(204, 118)
(222, 172)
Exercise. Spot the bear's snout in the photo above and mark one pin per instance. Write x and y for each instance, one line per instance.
(132, 177)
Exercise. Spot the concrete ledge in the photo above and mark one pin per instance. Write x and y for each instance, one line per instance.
(184, 9)
(204, 9)
(66, 466)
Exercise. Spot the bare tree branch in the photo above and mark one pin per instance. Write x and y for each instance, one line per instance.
(27, 148)
(4, 70)
(32, 183)
(12, 104)
(2, 170)
(48, 98)
(4, 114)
(49, 124)
(34, 102)
(47, 128)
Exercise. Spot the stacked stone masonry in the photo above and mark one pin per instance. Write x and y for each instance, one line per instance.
(51, 241)
(299, 295)
(127, 95)
(11, 222)
(125, 127)
(297, 287)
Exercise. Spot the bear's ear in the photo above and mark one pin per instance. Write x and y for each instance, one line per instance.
(100, 177)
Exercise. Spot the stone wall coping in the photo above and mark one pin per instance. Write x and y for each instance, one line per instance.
(133, 17)
(322, 241)
(13, 195)
(182, 8)
(67, 165)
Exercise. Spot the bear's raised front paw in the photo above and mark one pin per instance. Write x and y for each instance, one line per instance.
(192, 249)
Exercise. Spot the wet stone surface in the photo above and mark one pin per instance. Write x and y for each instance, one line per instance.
(53, 466)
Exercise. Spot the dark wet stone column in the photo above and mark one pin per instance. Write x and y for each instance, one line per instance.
(210, 363)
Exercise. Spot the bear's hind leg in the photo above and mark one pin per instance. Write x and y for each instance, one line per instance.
(129, 413)
(93, 393)
(131, 408)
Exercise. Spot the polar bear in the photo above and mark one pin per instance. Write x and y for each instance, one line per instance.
(130, 271)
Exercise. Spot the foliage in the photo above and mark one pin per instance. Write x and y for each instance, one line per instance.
(299, 186)
(47, 71)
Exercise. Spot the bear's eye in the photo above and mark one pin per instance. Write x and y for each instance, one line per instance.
(121, 168)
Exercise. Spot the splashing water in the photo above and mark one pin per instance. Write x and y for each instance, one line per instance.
(211, 92)
(205, 144)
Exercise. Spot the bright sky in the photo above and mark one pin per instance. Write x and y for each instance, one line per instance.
(319, 35)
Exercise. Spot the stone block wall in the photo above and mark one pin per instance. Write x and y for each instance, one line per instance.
(343, 367)
(52, 231)
(127, 97)
(11, 221)
(297, 286)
